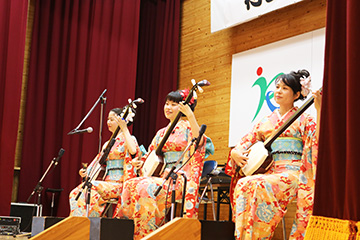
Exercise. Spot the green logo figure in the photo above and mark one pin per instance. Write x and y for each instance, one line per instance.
(265, 95)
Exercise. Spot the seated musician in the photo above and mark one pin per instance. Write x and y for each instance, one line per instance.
(259, 201)
(138, 200)
(118, 169)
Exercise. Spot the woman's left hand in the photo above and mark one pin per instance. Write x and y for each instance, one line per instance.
(317, 99)
(317, 102)
(185, 109)
(121, 122)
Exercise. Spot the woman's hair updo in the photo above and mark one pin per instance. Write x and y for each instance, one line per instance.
(292, 80)
(181, 95)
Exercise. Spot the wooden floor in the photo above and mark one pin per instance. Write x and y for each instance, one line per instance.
(289, 218)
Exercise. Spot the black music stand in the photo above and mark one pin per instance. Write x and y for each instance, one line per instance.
(38, 188)
(173, 174)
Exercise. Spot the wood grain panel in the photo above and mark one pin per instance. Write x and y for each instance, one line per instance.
(175, 230)
(206, 55)
(71, 228)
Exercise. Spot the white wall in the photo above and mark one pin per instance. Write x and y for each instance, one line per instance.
(305, 51)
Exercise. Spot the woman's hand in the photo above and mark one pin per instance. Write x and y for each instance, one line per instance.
(317, 100)
(137, 163)
(185, 109)
(240, 157)
(130, 143)
(82, 172)
(121, 122)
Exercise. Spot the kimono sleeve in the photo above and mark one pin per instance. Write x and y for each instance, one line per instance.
(153, 145)
(129, 169)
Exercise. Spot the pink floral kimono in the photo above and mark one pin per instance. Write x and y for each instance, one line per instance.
(138, 200)
(259, 201)
(118, 169)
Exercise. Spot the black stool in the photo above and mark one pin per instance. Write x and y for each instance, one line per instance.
(53, 191)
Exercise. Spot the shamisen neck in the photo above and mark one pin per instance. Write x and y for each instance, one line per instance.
(172, 122)
(118, 133)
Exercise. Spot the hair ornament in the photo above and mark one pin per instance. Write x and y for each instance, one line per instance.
(305, 85)
(184, 93)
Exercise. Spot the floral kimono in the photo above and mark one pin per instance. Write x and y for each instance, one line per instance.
(118, 169)
(138, 200)
(259, 201)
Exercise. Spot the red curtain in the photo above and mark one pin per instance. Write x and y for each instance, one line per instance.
(337, 191)
(79, 48)
(13, 15)
(157, 73)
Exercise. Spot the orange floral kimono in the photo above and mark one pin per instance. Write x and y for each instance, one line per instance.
(138, 200)
(259, 201)
(118, 169)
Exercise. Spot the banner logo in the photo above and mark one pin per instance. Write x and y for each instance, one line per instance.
(265, 95)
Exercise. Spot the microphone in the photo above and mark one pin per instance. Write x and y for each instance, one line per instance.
(89, 130)
(201, 133)
(60, 154)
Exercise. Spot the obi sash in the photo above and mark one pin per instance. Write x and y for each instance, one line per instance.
(115, 169)
(287, 148)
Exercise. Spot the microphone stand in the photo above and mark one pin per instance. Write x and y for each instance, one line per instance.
(174, 176)
(87, 182)
(183, 196)
(101, 99)
(38, 188)
(102, 106)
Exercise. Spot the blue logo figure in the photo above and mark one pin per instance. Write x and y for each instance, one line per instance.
(265, 95)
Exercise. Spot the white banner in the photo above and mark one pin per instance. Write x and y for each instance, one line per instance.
(228, 13)
(254, 72)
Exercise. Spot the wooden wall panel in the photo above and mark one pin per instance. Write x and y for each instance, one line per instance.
(206, 55)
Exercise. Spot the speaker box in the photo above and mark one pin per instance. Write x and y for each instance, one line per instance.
(111, 228)
(26, 211)
(217, 230)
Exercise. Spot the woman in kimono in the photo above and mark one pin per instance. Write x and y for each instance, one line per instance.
(118, 169)
(259, 201)
(138, 200)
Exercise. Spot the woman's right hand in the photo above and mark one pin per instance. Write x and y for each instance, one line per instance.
(240, 157)
(137, 163)
(82, 172)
